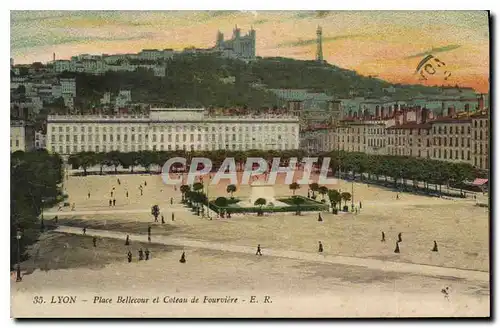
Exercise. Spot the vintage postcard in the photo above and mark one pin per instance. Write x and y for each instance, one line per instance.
(244, 164)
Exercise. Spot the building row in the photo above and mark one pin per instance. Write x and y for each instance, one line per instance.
(460, 138)
(170, 129)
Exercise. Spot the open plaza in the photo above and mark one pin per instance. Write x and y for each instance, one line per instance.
(357, 274)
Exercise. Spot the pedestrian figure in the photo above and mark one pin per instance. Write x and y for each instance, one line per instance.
(399, 238)
(446, 292)
(126, 193)
(127, 241)
(119, 182)
(84, 230)
(129, 256)
(111, 194)
(42, 226)
(162, 220)
(383, 237)
(183, 258)
(94, 241)
(258, 250)
(110, 202)
(173, 217)
(145, 184)
(171, 201)
(320, 248)
(149, 230)
(141, 191)
(360, 207)
(114, 202)
(320, 219)
(88, 195)
(56, 219)
(149, 238)
(397, 196)
(397, 247)
(141, 255)
(435, 248)
(147, 254)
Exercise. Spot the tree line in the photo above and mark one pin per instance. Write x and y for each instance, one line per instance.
(376, 167)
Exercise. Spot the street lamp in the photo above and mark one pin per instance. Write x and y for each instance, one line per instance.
(18, 237)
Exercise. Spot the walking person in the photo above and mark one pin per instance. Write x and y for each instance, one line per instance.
(147, 254)
(110, 202)
(126, 193)
(435, 248)
(129, 256)
(399, 238)
(94, 241)
(183, 258)
(383, 237)
(397, 247)
(360, 207)
(171, 201)
(84, 230)
(258, 250)
(173, 216)
(114, 202)
(111, 194)
(141, 255)
(88, 195)
(320, 219)
(145, 183)
(320, 248)
(127, 241)
(162, 220)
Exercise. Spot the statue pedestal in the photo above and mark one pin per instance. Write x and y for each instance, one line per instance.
(261, 190)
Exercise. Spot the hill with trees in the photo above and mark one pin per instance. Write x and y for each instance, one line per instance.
(211, 81)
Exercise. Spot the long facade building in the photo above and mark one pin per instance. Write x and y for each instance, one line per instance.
(462, 137)
(170, 129)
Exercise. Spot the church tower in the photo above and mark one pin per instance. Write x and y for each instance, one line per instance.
(319, 47)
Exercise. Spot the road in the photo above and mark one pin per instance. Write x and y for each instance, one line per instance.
(383, 265)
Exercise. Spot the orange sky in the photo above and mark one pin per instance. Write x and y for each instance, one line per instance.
(387, 44)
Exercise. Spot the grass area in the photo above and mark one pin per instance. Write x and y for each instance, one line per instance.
(56, 251)
(307, 201)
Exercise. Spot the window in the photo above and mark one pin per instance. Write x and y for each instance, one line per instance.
(104, 137)
(60, 138)
(456, 154)
(75, 138)
(89, 137)
(154, 137)
(67, 138)
(111, 138)
(17, 142)
(82, 138)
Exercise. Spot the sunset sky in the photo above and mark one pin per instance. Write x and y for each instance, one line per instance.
(386, 44)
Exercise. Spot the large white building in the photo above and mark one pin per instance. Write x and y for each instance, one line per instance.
(170, 129)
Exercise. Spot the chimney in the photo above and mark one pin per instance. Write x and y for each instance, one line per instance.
(405, 115)
(480, 102)
(424, 115)
(418, 115)
(451, 111)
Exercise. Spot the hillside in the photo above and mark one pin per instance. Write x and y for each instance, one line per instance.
(206, 80)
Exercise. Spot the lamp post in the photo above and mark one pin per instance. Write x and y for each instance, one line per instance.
(18, 273)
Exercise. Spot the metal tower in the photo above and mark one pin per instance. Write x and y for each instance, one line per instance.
(319, 47)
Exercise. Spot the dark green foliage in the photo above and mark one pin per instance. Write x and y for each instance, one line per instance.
(34, 176)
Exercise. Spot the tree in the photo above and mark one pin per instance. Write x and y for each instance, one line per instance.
(297, 201)
(294, 186)
(314, 188)
(345, 196)
(335, 198)
(184, 189)
(231, 189)
(114, 158)
(155, 211)
(323, 191)
(260, 202)
(198, 186)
